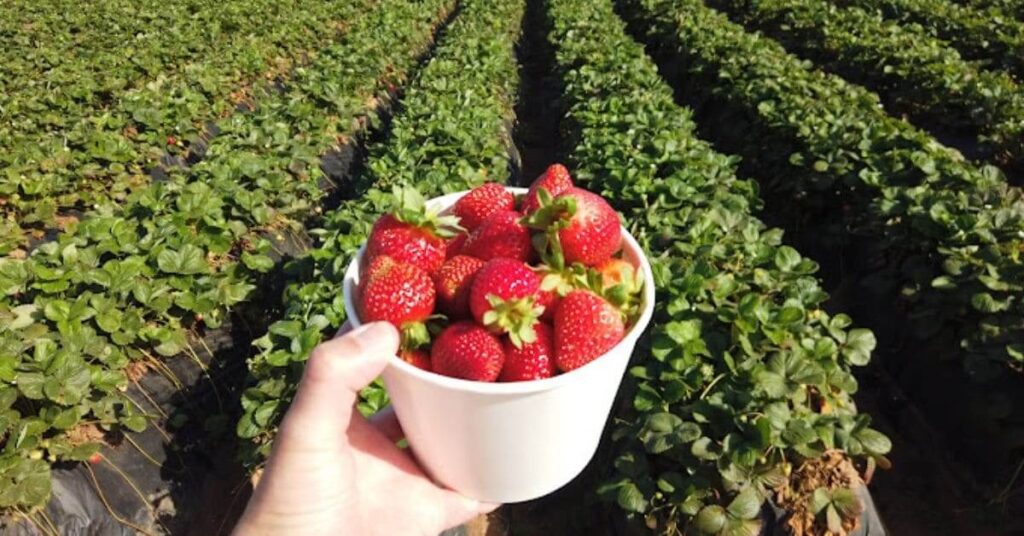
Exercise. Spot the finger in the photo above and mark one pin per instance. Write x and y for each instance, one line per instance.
(345, 328)
(386, 422)
(459, 509)
(337, 370)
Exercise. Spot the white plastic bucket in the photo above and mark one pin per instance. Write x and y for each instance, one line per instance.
(507, 442)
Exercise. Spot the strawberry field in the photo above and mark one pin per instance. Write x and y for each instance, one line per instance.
(829, 194)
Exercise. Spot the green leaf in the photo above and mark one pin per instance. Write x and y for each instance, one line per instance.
(820, 500)
(746, 505)
(859, 345)
(710, 520)
(874, 441)
(258, 263)
(188, 261)
(786, 258)
(631, 499)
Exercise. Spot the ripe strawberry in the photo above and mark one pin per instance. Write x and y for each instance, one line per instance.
(534, 361)
(549, 300)
(411, 233)
(586, 326)
(171, 140)
(555, 180)
(503, 299)
(501, 235)
(417, 358)
(398, 292)
(453, 246)
(579, 226)
(466, 350)
(452, 282)
(95, 458)
(482, 201)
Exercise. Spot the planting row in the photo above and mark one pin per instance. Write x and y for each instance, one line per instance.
(937, 238)
(981, 34)
(1012, 8)
(451, 133)
(952, 230)
(914, 73)
(744, 381)
(83, 118)
(102, 302)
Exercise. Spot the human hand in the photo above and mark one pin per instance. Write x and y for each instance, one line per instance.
(331, 471)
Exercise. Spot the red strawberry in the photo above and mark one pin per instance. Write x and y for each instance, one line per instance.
(586, 326)
(501, 235)
(466, 350)
(549, 300)
(398, 292)
(534, 361)
(411, 233)
(454, 245)
(482, 201)
(406, 243)
(416, 358)
(503, 298)
(95, 458)
(555, 180)
(580, 226)
(452, 282)
(171, 140)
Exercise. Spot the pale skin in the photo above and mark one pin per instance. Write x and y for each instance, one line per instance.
(333, 472)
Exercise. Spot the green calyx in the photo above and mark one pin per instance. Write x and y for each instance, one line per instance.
(515, 317)
(626, 296)
(552, 216)
(414, 335)
(410, 207)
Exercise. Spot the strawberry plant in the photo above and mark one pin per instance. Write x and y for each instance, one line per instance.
(744, 375)
(914, 73)
(987, 35)
(130, 284)
(97, 96)
(450, 134)
(943, 236)
(1011, 8)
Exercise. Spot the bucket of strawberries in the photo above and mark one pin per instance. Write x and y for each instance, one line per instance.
(519, 310)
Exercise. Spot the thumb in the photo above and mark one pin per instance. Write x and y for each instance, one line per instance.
(337, 370)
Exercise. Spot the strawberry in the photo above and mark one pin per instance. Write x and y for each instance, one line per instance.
(620, 283)
(533, 361)
(453, 246)
(400, 293)
(586, 326)
(95, 458)
(482, 201)
(452, 282)
(579, 226)
(466, 350)
(549, 300)
(555, 180)
(554, 284)
(504, 299)
(417, 358)
(501, 235)
(411, 233)
(615, 271)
